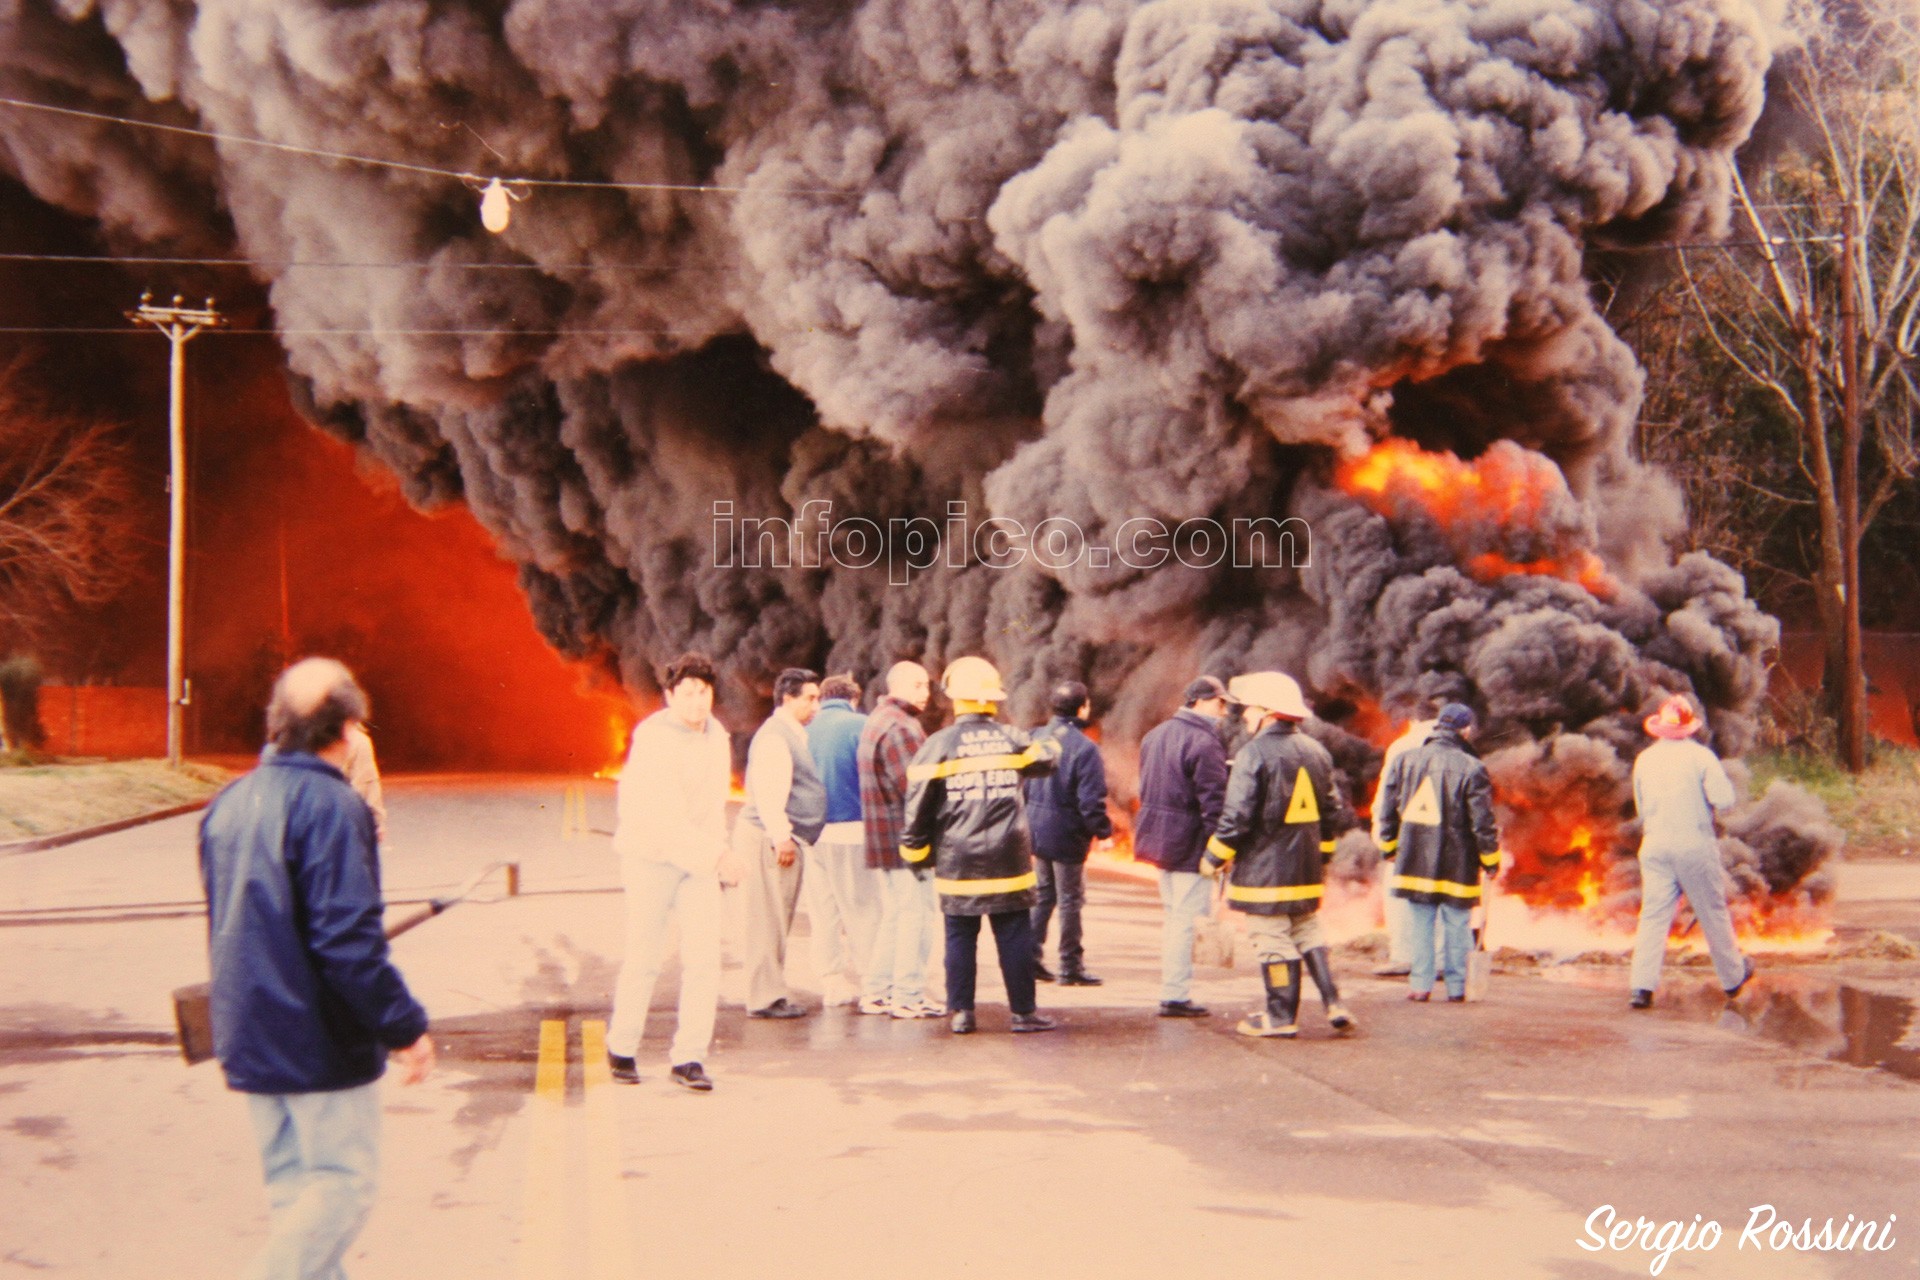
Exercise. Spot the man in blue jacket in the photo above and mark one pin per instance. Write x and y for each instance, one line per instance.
(842, 891)
(306, 1004)
(1183, 782)
(1066, 813)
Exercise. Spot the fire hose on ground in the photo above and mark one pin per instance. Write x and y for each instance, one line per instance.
(193, 1006)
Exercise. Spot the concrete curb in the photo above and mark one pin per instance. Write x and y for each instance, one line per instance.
(37, 843)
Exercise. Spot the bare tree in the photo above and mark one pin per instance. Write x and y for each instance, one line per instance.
(65, 524)
(1816, 298)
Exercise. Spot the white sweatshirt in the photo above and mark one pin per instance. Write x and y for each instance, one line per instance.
(673, 794)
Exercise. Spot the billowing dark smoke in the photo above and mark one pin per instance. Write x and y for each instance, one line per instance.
(1101, 260)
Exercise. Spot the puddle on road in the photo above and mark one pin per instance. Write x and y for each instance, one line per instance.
(1832, 1020)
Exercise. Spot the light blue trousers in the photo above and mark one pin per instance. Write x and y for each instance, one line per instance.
(1664, 876)
(1184, 895)
(1455, 936)
(321, 1155)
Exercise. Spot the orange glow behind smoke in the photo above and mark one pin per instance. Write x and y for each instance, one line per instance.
(1509, 489)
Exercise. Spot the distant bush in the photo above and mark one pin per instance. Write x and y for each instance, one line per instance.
(20, 704)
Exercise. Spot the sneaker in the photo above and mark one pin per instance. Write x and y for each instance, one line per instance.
(781, 1008)
(963, 1023)
(1041, 973)
(1264, 1026)
(1641, 1000)
(876, 1004)
(1745, 978)
(920, 1008)
(1078, 978)
(690, 1075)
(1419, 997)
(1033, 1022)
(625, 1070)
(1459, 999)
(1183, 1009)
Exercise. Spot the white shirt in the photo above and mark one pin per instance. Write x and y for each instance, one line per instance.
(1677, 785)
(673, 794)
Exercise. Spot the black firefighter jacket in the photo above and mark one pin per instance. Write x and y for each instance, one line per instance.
(1278, 824)
(964, 813)
(1436, 807)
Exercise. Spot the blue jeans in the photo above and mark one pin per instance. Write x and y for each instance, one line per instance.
(898, 967)
(1066, 884)
(1455, 938)
(1184, 895)
(321, 1155)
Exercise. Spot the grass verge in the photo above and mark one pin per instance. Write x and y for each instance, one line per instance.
(39, 797)
(1879, 809)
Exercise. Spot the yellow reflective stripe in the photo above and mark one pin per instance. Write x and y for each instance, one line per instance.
(1273, 892)
(1220, 850)
(1490, 859)
(1326, 846)
(1417, 884)
(1389, 846)
(972, 764)
(975, 888)
(915, 855)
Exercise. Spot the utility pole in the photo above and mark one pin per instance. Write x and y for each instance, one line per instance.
(180, 324)
(1853, 718)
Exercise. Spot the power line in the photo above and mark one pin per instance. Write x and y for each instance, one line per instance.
(291, 264)
(384, 333)
(406, 166)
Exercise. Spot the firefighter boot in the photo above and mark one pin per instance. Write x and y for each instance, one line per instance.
(1321, 967)
(1281, 1016)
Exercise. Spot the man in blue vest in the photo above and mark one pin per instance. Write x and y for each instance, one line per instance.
(843, 892)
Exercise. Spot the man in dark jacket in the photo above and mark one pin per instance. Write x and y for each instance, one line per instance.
(1183, 780)
(964, 814)
(1277, 828)
(306, 1004)
(1066, 812)
(1436, 818)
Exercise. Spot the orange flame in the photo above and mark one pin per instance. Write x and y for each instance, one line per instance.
(1505, 491)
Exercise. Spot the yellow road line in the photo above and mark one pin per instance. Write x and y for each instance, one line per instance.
(609, 1239)
(543, 1220)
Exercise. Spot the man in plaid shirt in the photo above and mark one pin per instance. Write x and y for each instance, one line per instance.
(888, 742)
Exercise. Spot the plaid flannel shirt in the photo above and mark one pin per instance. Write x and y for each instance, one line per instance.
(887, 744)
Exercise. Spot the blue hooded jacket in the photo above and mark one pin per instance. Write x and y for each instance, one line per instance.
(1067, 809)
(304, 997)
(834, 739)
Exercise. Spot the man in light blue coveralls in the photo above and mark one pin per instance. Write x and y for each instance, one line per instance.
(1678, 785)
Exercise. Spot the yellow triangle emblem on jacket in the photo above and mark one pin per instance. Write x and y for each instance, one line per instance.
(1424, 809)
(1304, 807)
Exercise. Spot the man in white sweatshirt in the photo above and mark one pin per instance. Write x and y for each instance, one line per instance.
(672, 842)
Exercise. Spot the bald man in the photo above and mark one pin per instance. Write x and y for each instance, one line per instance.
(307, 1006)
(896, 971)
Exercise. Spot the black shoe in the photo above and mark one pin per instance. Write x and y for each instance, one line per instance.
(1393, 969)
(1741, 985)
(1033, 1022)
(624, 1069)
(1078, 978)
(963, 1023)
(1183, 1009)
(781, 1008)
(1641, 1000)
(1460, 999)
(690, 1075)
(1041, 973)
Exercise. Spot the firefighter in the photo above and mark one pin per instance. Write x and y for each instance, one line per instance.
(1436, 817)
(965, 819)
(1277, 829)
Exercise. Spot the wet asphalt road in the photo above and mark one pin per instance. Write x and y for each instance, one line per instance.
(1441, 1140)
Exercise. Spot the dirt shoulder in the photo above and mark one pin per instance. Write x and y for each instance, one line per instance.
(51, 798)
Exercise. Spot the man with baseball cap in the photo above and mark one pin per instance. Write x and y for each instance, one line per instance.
(1678, 786)
(1277, 828)
(1183, 782)
(1435, 815)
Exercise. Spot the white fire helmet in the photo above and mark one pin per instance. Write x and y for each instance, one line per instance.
(973, 680)
(1271, 691)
